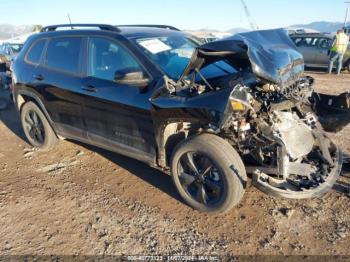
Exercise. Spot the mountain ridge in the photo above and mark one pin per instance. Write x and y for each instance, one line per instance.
(8, 31)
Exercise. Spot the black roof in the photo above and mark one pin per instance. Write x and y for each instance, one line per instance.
(129, 31)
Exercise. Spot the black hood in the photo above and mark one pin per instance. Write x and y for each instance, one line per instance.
(270, 54)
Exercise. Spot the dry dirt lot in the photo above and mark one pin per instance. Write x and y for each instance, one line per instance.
(78, 199)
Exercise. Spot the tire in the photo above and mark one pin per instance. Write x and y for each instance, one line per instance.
(227, 173)
(347, 65)
(33, 119)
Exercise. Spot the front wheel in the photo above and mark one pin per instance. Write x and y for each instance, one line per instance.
(208, 173)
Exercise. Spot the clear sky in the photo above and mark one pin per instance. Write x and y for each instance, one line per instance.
(185, 14)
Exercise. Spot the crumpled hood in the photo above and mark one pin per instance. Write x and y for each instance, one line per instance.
(270, 54)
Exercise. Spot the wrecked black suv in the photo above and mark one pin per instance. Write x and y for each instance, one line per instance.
(209, 114)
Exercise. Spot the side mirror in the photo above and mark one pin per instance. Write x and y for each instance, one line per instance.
(131, 77)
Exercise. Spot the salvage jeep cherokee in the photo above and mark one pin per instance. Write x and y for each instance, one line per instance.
(208, 113)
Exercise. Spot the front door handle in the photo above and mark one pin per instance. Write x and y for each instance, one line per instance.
(90, 88)
(39, 77)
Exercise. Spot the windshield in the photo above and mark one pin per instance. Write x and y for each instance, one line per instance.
(173, 53)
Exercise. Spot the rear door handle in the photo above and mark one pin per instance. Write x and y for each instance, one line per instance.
(39, 77)
(89, 89)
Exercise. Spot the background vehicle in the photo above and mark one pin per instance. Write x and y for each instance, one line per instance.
(151, 93)
(8, 52)
(315, 49)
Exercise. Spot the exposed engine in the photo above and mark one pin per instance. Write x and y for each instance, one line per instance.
(278, 134)
(266, 109)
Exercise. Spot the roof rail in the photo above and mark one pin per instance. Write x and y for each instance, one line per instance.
(155, 26)
(71, 26)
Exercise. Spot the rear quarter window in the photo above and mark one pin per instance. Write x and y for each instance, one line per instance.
(35, 52)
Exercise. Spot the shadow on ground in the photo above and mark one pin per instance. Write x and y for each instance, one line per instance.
(11, 119)
(152, 176)
(315, 70)
(343, 184)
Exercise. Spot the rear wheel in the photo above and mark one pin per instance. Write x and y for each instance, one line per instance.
(208, 173)
(37, 129)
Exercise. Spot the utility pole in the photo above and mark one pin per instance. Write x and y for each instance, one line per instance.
(347, 13)
(249, 17)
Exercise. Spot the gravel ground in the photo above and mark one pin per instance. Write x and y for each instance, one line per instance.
(77, 199)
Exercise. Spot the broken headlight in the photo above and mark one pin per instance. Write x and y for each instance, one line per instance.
(237, 105)
(240, 99)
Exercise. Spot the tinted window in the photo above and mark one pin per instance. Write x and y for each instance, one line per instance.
(63, 54)
(306, 42)
(107, 57)
(297, 41)
(314, 42)
(324, 43)
(36, 51)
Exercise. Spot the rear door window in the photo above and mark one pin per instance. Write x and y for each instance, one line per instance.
(35, 52)
(64, 54)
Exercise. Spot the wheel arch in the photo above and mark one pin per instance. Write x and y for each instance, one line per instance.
(172, 133)
(21, 97)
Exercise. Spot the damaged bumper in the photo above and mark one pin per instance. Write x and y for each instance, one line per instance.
(283, 188)
(333, 111)
(268, 111)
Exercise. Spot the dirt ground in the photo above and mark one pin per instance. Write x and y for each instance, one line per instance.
(77, 199)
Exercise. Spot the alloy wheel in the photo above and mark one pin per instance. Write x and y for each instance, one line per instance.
(200, 178)
(35, 127)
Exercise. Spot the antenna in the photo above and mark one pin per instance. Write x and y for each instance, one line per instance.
(70, 21)
(249, 17)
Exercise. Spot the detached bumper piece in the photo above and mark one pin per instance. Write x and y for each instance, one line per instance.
(333, 111)
(311, 177)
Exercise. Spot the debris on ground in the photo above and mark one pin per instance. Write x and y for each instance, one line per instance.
(282, 212)
(57, 168)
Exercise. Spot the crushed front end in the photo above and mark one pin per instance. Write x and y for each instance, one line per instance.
(281, 140)
(271, 114)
